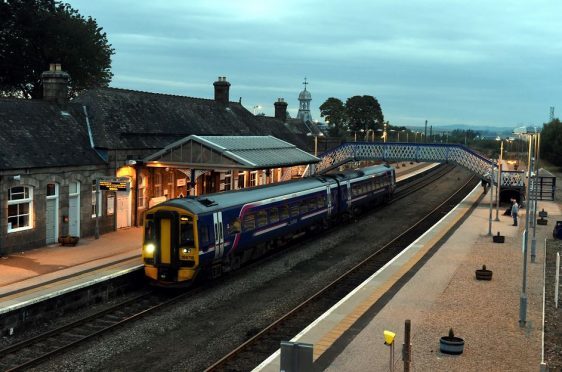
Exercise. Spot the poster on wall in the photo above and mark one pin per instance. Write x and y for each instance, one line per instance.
(110, 205)
(180, 182)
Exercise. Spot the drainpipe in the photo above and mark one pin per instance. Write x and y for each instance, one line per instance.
(136, 204)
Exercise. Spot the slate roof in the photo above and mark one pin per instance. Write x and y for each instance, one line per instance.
(127, 119)
(35, 133)
(248, 152)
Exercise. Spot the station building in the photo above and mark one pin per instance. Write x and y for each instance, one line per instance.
(54, 151)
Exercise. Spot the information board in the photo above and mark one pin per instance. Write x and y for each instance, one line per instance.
(113, 184)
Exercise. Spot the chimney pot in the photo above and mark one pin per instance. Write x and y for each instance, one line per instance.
(55, 84)
(281, 109)
(222, 88)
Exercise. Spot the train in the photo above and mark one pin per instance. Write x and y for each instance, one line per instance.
(217, 233)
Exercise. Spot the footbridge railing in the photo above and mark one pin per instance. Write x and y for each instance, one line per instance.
(418, 152)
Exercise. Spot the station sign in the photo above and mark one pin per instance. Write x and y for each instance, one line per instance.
(114, 184)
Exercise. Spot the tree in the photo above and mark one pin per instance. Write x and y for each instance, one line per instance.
(364, 112)
(35, 33)
(334, 112)
(551, 142)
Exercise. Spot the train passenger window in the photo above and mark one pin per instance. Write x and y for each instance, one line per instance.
(262, 218)
(234, 227)
(294, 210)
(321, 202)
(303, 207)
(203, 234)
(273, 215)
(284, 212)
(249, 222)
(312, 204)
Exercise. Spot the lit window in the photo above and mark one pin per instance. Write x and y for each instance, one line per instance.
(253, 178)
(157, 185)
(20, 208)
(228, 181)
(141, 192)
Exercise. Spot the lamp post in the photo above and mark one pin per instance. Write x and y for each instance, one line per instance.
(523, 297)
(315, 141)
(498, 187)
(407, 136)
(256, 107)
(535, 199)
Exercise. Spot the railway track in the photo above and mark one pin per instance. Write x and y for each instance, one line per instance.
(256, 349)
(33, 351)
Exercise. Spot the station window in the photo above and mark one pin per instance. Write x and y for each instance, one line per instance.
(241, 180)
(20, 208)
(95, 200)
(141, 193)
(253, 178)
(157, 184)
(228, 181)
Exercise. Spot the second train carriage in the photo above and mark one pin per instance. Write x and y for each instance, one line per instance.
(219, 232)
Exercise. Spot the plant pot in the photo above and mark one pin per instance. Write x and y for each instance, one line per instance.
(68, 240)
(543, 214)
(451, 345)
(498, 238)
(484, 274)
(542, 221)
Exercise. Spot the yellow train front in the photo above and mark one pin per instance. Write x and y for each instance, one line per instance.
(170, 251)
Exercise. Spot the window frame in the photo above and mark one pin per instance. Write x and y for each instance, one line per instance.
(29, 201)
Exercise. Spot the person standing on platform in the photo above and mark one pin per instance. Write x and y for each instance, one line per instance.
(514, 210)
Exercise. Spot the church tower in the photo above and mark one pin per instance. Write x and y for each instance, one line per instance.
(304, 104)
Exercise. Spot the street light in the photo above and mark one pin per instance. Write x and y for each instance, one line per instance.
(256, 107)
(498, 187)
(315, 140)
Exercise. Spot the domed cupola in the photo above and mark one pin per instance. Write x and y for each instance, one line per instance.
(304, 104)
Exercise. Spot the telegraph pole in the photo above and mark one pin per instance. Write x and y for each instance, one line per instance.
(425, 133)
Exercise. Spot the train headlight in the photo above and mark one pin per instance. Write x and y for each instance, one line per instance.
(186, 250)
(149, 248)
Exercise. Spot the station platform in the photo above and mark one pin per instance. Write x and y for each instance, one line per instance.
(443, 293)
(32, 276)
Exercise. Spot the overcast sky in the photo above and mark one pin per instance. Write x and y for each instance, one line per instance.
(475, 62)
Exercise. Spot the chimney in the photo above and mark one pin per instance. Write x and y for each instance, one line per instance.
(281, 109)
(55, 84)
(221, 90)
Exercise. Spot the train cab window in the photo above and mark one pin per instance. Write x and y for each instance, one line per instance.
(249, 222)
(262, 218)
(187, 236)
(273, 215)
(149, 231)
(234, 227)
(294, 210)
(284, 212)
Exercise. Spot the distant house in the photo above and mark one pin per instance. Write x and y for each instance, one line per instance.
(53, 151)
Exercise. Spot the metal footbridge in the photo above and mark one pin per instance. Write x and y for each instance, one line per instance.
(391, 152)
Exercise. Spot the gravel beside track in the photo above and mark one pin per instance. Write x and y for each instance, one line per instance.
(200, 330)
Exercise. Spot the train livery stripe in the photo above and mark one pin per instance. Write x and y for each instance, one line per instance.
(270, 229)
(314, 214)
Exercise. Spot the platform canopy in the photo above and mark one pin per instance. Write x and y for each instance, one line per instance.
(229, 152)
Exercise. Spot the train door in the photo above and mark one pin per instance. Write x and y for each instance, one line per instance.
(219, 235)
(167, 233)
(348, 190)
(329, 200)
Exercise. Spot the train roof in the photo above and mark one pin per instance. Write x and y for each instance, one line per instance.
(217, 201)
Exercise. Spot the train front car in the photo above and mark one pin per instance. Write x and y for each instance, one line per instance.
(170, 246)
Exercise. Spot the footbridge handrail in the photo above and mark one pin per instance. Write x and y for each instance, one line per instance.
(418, 152)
